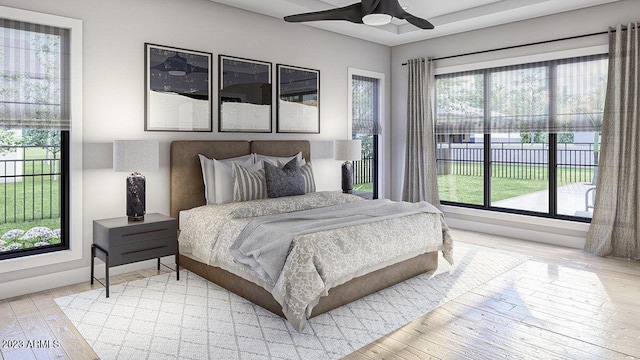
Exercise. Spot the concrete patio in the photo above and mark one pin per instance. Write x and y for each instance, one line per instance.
(571, 200)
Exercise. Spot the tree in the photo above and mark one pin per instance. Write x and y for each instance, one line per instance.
(520, 100)
(588, 109)
(565, 138)
(460, 102)
(538, 137)
(45, 90)
(583, 108)
(48, 139)
(7, 141)
(367, 145)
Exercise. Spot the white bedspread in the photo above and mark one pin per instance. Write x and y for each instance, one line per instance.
(317, 261)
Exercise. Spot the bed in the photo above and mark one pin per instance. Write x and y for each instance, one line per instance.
(187, 200)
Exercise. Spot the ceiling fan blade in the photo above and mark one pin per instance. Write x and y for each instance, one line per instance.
(368, 6)
(414, 20)
(351, 13)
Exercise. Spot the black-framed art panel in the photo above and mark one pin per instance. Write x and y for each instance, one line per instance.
(298, 100)
(178, 94)
(244, 96)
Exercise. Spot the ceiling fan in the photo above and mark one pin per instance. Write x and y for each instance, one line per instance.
(369, 12)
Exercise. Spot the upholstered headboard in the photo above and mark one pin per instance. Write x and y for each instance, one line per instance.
(187, 187)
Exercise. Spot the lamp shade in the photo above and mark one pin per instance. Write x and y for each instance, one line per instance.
(347, 150)
(135, 155)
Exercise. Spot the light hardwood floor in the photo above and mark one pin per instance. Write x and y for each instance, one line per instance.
(563, 303)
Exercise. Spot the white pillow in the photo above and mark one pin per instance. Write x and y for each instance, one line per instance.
(208, 173)
(224, 178)
(273, 160)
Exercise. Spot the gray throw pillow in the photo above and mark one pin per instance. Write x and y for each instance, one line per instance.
(285, 181)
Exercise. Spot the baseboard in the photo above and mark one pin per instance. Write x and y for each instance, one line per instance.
(34, 284)
(549, 231)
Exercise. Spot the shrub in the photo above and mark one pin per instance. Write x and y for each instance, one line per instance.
(40, 232)
(12, 235)
(12, 246)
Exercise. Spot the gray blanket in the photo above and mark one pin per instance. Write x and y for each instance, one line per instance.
(263, 245)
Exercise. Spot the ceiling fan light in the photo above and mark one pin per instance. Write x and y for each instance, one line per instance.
(177, 72)
(377, 19)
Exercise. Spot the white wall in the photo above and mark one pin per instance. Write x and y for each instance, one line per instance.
(113, 95)
(585, 21)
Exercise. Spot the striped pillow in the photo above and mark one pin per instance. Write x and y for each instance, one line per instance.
(248, 185)
(307, 177)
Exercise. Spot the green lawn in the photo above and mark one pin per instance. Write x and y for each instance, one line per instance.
(26, 225)
(366, 187)
(470, 189)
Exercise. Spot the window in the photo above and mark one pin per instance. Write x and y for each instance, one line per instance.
(34, 138)
(365, 126)
(522, 139)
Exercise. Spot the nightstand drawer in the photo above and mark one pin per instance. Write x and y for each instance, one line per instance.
(142, 250)
(126, 235)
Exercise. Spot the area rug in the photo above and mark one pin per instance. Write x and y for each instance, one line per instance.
(161, 318)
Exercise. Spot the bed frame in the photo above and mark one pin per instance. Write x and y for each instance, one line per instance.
(187, 191)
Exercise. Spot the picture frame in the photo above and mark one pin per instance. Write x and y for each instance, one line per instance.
(298, 96)
(245, 95)
(178, 90)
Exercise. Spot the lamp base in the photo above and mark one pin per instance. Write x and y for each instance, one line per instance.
(136, 197)
(347, 177)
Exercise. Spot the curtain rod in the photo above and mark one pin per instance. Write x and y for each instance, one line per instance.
(519, 46)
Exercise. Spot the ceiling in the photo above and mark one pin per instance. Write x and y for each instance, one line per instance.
(448, 16)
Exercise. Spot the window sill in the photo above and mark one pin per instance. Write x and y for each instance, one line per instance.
(550, 231)
(34, 261)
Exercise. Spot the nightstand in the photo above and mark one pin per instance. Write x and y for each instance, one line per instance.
(119, 241)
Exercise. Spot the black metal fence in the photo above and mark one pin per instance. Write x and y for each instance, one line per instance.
(29, 183)
(575, 162)
(363, 171)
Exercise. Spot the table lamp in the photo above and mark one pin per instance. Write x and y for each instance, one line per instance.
(135, 156)
(347, 150)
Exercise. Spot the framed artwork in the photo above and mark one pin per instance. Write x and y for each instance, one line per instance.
(298, 100)
(178, 89)
(245, 95)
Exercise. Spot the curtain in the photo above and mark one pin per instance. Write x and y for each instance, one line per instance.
(615, 225)
(34, 76)
(420, 176)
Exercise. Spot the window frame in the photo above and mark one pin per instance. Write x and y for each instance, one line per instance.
(71, 225)
(552, 137)
(378, 140)
(64, 194)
